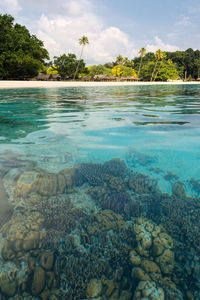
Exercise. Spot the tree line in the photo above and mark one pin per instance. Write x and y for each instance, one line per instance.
(23, 56)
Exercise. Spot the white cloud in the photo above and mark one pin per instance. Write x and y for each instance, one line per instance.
(10, 6)
(61, 33)
(183, 21)
(159, 44)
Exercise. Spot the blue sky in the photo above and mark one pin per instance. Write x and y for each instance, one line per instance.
(112, 26)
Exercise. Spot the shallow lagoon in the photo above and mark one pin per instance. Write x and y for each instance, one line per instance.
(100, 193)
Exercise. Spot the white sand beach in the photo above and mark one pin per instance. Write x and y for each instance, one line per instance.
(8, 84)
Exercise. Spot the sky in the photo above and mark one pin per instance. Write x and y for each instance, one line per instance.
(113, 27)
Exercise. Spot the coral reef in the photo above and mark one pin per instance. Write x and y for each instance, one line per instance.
(103, 221)
(106, 289)
(179, 214)
(102, 249)
(60, 215)
(93, 173)
(153, 262)
(109, 199)
(22, 233)
(115, 167)
(147, 289)
(195, 185)
(142, 184)
(116, 201)
(97, 174)
(6, 210)
(91, 232)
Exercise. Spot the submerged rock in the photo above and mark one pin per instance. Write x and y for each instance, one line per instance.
(142, 184)
(38, 280)
(94, 288)
(23, 232)
(104, 221)
(37, 181)
(8, 284)
(178, 190)
(47, 260)
(153, 256)
(6, 209)
(148, 290)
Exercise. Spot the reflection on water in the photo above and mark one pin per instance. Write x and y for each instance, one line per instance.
(95, 205)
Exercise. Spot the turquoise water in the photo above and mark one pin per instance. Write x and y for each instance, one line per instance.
(61, 127)
(150, 134)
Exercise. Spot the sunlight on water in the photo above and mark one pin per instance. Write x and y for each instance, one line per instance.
(99, 193)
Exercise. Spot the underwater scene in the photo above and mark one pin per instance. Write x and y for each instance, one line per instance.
(100, 193)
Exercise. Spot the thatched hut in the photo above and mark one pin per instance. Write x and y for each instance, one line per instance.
(103, 77)
(55, 77)
(100, 77)
(42, 77)
(86, 78)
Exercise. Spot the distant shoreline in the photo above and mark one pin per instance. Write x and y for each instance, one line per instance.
(8, 84)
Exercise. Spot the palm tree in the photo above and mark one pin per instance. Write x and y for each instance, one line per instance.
(83, 42)
(119, 59)
(128, 63)
(142, 54)
(157, 56)
(162, 57)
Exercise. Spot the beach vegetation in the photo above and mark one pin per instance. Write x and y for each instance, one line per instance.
(167, 70)
(158, 56)
(83, 41)
(123, 61)
(66, 65)
(99, 70)
(22, 55)
(52, 70)
(120, 71)
(163, 56)
(142, 53)
(188, 62)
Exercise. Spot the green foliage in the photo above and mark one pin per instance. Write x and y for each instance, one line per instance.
(83, 41)
(148, 57)
(120, 70)
(109, 65)
(66, 65)
(99, 70)
(187, 62)
(21, 54)
(142, 53)
(52, 70)
(167, 70)
(123, 61)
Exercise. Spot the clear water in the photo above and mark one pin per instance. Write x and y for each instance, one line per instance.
(154, 130)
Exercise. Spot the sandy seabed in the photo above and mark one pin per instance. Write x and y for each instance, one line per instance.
(8, 84)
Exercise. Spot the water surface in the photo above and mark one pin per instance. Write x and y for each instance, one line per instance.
(70, 159)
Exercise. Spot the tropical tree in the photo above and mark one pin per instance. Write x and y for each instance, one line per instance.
(157, 57)
(119, 60)
(99, 70)
(163, 56)
(120, 70)
(66, 65)
(52, 70)
(197, 63)
(168, 70)
(142, 53)
(83, 42)
(21, 54)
